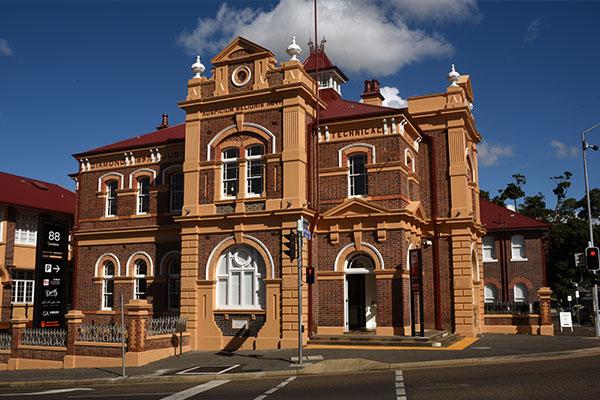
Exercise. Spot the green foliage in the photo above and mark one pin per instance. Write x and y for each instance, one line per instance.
(513, 190)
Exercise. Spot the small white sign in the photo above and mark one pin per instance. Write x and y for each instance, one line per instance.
(569, 298)
(566, 321)
(577, 294)
(239, 324)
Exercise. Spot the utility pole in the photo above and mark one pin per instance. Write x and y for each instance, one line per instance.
(299, 235)
(585, 146)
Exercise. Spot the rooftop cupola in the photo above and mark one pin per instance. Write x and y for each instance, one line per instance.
(330, 76)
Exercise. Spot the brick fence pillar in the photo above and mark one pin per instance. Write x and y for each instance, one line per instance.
(138, 313)
(74, 320)
(546, 327)
(17, 326)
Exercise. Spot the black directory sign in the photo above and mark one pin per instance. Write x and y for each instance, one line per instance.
(416, 291)
(51, 275)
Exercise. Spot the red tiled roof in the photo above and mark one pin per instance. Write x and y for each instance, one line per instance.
(324, 63)
(495, 218)
(338, 108)
(173, 133)
(27, 192)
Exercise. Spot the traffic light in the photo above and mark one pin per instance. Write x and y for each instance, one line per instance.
(310, 275)
(289, 245)
(592, 259)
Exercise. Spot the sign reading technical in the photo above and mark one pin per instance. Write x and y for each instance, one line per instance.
(50, 276)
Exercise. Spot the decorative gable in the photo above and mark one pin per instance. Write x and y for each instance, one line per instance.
(354, 207)
(240, 49)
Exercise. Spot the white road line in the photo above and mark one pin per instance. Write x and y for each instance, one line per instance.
(186, 394)
(106, 396)
(274, 389)
(54, 391)
(400, 389)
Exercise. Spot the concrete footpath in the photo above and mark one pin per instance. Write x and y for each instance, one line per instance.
(203, 366)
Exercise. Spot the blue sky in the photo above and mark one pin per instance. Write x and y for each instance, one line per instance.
(76, 75)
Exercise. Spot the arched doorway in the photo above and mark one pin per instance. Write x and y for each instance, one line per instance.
(360, 293)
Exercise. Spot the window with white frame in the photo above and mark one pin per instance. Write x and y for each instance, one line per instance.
(489, 249)
(26, 228)
(358, 174)
(520, 293)
(143, 194)
(174, 286)
(1, 224)
(409, 160)
(230, 172)
(517, 247)
(22, 287)
(489, 293)
(176, 201)
(111, 197)
(141, 270)
(108, 286)
(254, 170)
(240, 274)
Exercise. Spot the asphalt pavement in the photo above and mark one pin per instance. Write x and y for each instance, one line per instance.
(567, 379)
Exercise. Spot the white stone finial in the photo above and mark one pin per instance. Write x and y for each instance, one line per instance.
(453, 76)
(198, 68)
(294, 50)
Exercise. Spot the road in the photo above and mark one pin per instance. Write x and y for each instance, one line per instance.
(559, 379)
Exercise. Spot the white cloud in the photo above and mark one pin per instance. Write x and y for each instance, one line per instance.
(489, 154)
(438, 10)
(5, 49)
(361, 36)
(562, 150)
(392, 99)
(533, 30)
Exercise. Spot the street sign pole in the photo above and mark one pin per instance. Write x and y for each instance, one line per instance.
(299, 231)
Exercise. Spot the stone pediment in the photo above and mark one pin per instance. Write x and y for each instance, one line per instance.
(355, 207)
(416, 208)
(240, 49)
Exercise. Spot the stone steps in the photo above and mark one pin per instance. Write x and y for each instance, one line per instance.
(431, 339)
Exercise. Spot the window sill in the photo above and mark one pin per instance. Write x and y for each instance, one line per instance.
(144, 215)
(239, 311)
(108, 218)
(106, 311)
(490, 260)
(31, 245)
(518, 259)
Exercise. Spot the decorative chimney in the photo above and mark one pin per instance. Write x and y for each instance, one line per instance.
(165, 122)
(371, 94)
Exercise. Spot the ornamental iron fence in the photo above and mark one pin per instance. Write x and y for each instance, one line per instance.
(53, 337)
(521, 309)
(5, 339)
(166, 325)
(106, 333)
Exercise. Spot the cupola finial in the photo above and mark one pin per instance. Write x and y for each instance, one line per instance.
(198, 68)
(453, 76)
(294, 50)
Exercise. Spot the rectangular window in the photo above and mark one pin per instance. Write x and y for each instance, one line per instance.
(255, 177)
(26, 228)
(489, 249)
(109, 290)
(230, 172)
(111, 198)
(517, 245)
(176, 192)
(1, 224)
(358, 175)
(143, 195)
(22, 289)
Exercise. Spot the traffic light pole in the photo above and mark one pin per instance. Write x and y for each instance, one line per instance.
(299, 230)
(584, 147)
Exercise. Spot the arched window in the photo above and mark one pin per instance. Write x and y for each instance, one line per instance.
(358, 174)
(254, 171)
(141, 270)
(108, 285)
(143, 194)
(174, 285)
(240, 275)
(230, 172)
(490, 293)
(517, 246)
(360, 261)
(111, 197)
(520, 293)
(176, 194)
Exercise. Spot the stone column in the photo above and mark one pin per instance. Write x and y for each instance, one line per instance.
(138, 313)
(546, 327)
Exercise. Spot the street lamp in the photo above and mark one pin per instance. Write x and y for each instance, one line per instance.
(586, 146)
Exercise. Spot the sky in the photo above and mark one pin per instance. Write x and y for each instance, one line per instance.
(80, 74)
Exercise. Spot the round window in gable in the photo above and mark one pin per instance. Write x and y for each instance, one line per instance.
(241, 75)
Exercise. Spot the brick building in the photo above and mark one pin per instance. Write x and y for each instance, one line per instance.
(23, 202)
(196, 217)
(514, 255)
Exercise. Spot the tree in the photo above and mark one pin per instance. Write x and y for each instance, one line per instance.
(535, 207)
(512, 191)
